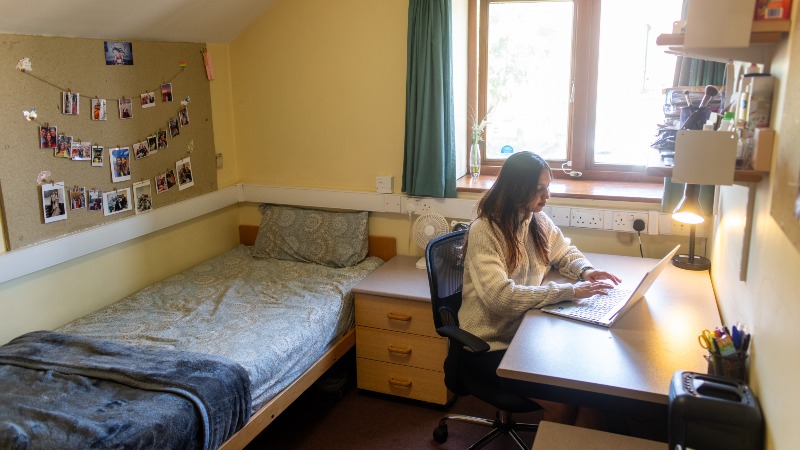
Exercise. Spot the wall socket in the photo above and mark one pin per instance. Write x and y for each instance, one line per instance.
(560, 215)
(586, 218)
(384, 185)
(623, 220)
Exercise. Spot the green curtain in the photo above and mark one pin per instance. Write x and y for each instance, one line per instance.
(429, 159)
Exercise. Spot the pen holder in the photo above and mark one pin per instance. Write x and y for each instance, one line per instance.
(734, 366)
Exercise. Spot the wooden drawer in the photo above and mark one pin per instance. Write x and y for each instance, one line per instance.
(401, 348)
(407, 316)
(402, 381)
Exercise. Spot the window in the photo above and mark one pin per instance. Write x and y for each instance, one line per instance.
(577, 81)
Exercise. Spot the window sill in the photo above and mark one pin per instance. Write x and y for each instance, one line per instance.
(584, 189)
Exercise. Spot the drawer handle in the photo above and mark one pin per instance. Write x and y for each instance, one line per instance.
(400, 383)
(401, 350)
(395, 316)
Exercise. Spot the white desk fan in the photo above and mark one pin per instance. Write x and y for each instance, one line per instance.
(425, 228)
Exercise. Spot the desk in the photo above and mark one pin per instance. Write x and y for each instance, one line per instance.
(556, 436)
(635, 359)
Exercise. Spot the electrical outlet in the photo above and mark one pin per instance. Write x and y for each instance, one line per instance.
(623, 220)
(668, 225)
(384, 185)
(586, 218)
(560, 216)
(424, 206)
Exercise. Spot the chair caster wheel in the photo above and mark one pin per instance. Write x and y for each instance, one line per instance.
(440, 434)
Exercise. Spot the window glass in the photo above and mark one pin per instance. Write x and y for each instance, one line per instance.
(632, 72)
(528, 87)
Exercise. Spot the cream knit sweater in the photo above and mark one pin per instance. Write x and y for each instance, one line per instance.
(494, 301)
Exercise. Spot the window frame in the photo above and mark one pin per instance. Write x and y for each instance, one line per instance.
(582, 109)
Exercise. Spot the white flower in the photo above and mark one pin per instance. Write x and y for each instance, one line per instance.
(24, 65)
(477, 127)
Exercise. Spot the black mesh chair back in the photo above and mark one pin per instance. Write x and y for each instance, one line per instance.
(444, 256)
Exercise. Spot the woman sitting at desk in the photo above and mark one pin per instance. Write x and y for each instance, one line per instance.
(511, 246)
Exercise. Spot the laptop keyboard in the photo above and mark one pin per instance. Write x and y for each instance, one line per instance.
(597, 306)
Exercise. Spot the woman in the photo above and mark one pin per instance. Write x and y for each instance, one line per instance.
(511, 246)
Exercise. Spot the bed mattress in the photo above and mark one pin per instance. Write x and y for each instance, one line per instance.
(273, 317)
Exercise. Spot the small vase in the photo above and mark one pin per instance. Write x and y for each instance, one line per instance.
(475, 159)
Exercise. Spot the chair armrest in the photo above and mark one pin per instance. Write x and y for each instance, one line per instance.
(465, 338)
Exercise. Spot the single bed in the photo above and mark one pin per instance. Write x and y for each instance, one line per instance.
(276, 311)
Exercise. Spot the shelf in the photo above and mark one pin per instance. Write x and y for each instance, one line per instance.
(657, 167)
(764, 36)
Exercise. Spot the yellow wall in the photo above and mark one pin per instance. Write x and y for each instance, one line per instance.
(319, 93)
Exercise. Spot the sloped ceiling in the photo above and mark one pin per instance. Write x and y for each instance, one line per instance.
(214, 21)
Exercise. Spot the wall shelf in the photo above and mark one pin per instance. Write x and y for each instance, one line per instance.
(657, 167)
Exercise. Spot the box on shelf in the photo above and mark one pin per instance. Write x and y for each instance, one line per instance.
(773, 10)
(763, 142)
(760, 102)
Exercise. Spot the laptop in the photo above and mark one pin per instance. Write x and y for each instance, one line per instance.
(604, 310)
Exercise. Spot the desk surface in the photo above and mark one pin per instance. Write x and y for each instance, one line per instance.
(556, 436)
(635, 358)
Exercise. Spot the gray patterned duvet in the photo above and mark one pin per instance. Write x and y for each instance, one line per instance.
(273, 317)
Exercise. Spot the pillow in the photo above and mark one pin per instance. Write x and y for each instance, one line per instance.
(334, 239)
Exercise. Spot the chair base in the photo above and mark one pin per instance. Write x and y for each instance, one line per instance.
(503, 424)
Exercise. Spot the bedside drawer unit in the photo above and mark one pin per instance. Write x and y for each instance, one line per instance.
(402, 381)
(401, 348)
(393, 314)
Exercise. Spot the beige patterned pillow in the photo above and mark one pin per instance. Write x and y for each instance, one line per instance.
(334, 239)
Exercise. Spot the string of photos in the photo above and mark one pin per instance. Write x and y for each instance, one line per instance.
(56, 196)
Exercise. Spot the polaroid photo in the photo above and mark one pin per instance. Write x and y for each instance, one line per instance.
(116, 201)
(53, 198)
(118, 53)
(140, 150)
(99, 109)
(173, 127)
(148, 99)
(185, 176)
(162, 139)
(51, 140)
(144, 199)
(183, 115)
(95, 200)
(125, 108)
(77, 198)
(161, 183)
(64, 148)
(81, 151)
(44, 137)
(70, 103)
(171, 181)
(166, 92)
(97, 156)
(152, 144)
(120, 159)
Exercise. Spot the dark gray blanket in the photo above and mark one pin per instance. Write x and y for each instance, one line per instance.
(67, 391)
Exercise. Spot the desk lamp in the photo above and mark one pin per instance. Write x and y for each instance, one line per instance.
(690, 212)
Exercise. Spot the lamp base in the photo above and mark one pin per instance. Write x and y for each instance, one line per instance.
(696, 263)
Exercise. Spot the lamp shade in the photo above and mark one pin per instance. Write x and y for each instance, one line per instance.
(689, 210)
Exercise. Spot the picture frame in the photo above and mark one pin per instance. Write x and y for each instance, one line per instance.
(118, 53)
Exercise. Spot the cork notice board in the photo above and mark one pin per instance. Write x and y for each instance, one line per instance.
(79, 66)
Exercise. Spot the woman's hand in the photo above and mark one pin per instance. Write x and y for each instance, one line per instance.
(597, 275)
(585, 289)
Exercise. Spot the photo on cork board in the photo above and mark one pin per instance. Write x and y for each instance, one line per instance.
(185, 176)
(152, 144)
(166, 92)
(77, 197)
(125, 108)
(148, 99)
(116, 201)
(80, 151)
(95, 200)
(162, 139)
(53, 198)
(64, 147)
(183, 115)
(118, 53)
(140, 150)
(173, 127)
(144, 199)
(48, 136)
(97, 156)
(119, 159)
(99, 109)
(161, 183)
(70, 103)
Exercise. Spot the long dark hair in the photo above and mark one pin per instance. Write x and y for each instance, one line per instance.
(504, 204)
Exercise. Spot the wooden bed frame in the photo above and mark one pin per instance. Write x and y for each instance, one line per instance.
(381, 246)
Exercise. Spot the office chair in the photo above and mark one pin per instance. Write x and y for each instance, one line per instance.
(445, 262)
